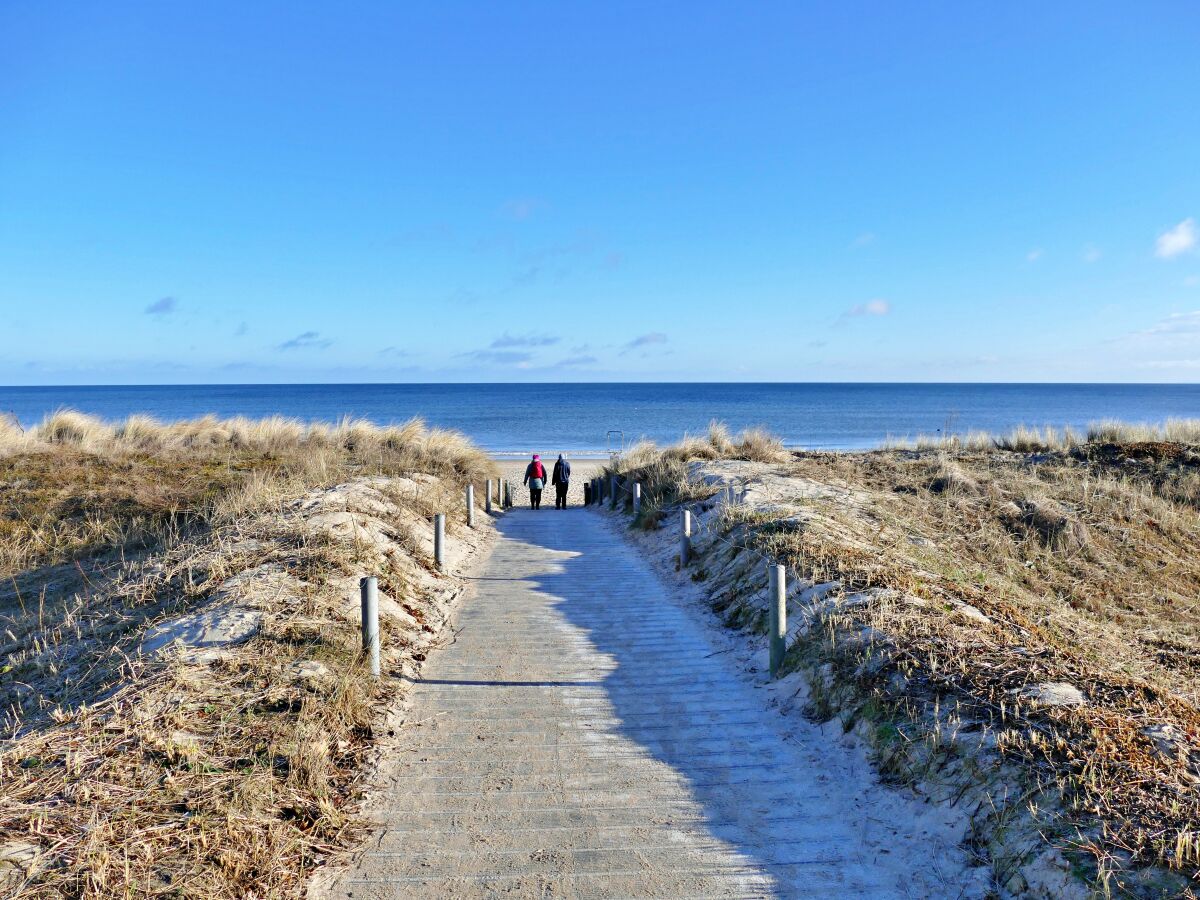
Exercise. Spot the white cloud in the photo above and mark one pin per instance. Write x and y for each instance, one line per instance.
(864, 240)
(870, 308)
(1192, 281)
(1034, 255)
(1177, 323)
(1091, 253)
(1177, 240)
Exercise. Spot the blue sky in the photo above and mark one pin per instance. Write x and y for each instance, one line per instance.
(266, 192)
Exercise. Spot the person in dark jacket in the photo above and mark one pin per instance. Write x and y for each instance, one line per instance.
(535, 477)
(561, 479)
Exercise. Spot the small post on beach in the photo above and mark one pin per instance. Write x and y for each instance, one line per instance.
(470, 506)
(637, 498)
(507, 494)
(685, 538)
(439, 541)
(612, 489)
(587, 494)
(777, 624)
(368, 589)
(487, 497)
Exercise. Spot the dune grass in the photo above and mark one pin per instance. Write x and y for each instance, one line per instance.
(76, 486)
(1047, 438)
(1081, 554)
(125, 775)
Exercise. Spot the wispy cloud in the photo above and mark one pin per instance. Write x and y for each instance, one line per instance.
(1191, 281)
(647, 340)
(1170, 364)
(1091, 253)
(870, 308)
(395, 352)
(528, 275)
(307, 340)
(1176, 241)
(1176, 323)
(1034, 255)
(162, 307)
(241, 330)
(575, 361)
(523, 340)
(522, 208)
(864, 240)
(500, 357)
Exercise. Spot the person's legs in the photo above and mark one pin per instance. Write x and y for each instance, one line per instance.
(535, 498)
(560, 496)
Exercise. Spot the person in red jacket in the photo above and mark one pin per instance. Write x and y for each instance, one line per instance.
(535, 477)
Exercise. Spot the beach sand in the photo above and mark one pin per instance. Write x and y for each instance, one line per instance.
(581, 471)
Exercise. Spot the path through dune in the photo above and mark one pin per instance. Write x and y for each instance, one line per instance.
(587, 736)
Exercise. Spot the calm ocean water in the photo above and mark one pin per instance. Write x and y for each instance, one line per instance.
(577, 417)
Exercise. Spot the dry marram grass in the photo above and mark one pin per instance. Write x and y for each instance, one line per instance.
(127, 774)
(980, 569)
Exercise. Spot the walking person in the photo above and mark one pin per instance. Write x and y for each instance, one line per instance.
(561, 479)
(535, 477)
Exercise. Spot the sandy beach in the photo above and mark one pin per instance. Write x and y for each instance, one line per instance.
(581, 471)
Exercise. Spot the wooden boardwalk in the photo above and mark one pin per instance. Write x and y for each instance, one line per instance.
(581, 739)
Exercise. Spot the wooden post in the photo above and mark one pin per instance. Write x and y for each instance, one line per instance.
(439, 541)
(368, 589)
(487, 497)
(470, 506)
(685, 538)
(637, 498)
(777, 625)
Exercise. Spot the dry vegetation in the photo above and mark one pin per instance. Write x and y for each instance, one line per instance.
(1081, 555)
(123, 774)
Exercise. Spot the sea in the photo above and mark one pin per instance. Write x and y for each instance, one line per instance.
(593, 419)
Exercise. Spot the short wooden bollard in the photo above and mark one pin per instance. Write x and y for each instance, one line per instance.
(637, 498)
(612, 489)
(507, 495)
(777, 624)
(487, 497)
(470, 506)
(685, 538)
(439, 541)
(587, 494)
(368, 589)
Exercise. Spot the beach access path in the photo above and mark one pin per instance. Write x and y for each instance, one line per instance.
(588, 735)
